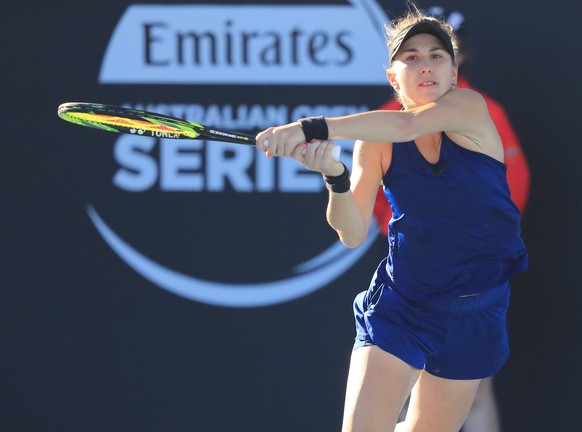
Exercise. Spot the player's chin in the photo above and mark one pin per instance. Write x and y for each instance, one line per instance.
(427, 97)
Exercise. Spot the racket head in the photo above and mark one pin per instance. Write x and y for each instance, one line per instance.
(118, 119)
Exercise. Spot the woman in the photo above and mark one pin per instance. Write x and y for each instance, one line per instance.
(484, 413)
(433, 319)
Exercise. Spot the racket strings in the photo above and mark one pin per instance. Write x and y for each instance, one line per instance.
(101, 120)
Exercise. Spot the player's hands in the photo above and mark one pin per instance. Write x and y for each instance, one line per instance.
(317, 156)
(289, 141)
(281, 140)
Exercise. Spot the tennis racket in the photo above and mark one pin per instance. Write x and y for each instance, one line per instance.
(143, 123)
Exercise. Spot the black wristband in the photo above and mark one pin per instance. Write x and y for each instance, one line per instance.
(340, 183)
(314, 128)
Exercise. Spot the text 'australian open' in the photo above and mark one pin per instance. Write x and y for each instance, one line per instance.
(228, 46)
(145, 162)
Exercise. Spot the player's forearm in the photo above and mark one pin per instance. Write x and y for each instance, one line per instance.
(376, 126)
(344, 216)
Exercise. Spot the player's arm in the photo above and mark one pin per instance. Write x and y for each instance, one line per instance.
(461, 110)
(350, 213)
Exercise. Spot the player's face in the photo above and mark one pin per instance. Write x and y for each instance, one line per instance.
(422, 71)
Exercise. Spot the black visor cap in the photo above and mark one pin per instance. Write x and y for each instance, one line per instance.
(429, 27)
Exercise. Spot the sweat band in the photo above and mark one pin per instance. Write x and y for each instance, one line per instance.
(340, 183)
(314, 128)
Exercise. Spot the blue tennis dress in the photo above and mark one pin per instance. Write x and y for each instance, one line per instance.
(454, 230)
(438, 300)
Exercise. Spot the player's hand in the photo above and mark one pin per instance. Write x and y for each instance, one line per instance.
(317, 156)
(281, 140)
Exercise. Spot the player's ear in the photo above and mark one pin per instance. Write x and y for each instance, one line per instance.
(392, 79)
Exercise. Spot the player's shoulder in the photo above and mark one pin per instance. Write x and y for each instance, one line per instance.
(466, 94)
(467, 100)
(495, 107)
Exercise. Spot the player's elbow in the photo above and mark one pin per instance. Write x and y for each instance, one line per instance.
(352, 240)
(351, 244)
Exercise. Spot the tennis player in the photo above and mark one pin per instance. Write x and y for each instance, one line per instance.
(432, 322)
(484, 413)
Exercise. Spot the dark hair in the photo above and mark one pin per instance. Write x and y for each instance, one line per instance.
(397, 27)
